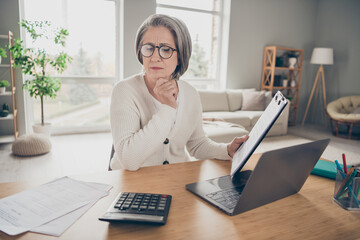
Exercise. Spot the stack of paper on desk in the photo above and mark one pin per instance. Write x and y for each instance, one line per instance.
(50, 208)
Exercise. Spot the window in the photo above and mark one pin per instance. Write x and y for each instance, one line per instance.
(84, 98)
(204, 21)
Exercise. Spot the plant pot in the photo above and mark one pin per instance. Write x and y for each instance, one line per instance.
(285, 82)
(293, 83)
(2, 90)
(42, 129)
(292, 62)
(4, 113)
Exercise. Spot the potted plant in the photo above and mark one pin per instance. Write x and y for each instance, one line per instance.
(40, 63)
(2, 53)
(3, 85)
(292, 58)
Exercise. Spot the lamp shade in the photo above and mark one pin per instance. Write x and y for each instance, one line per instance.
(323, 56)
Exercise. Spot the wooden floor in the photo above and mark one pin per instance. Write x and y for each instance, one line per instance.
(89, 153)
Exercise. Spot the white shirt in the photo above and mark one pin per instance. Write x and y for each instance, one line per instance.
(158, 105)
(139, 129)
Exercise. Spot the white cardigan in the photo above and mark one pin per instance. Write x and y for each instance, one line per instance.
(140, 131)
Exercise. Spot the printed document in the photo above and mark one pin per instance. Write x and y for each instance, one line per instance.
(32, 208)
(58, 226)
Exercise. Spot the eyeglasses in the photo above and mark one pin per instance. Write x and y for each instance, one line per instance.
(165, 52)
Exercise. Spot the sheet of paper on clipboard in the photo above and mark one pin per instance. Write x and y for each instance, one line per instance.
(258, 132)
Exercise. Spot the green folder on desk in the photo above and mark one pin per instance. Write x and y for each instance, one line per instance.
(326, 169)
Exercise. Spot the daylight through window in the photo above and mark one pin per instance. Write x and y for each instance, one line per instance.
(203, 19)
(83, 101)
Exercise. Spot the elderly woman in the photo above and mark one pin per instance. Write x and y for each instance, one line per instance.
(154, 115)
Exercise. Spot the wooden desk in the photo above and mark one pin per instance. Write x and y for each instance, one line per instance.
(310, 214)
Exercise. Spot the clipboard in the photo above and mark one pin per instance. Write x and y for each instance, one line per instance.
(258, 132)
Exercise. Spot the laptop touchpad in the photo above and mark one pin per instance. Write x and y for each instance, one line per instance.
(226, 181)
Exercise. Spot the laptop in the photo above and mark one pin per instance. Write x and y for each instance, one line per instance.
(278, 174)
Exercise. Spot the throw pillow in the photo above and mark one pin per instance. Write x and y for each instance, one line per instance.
(253, 101)
(235, 98)
(268, 98)
(213, 101)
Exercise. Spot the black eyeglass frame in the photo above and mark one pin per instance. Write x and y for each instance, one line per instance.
(158, 47)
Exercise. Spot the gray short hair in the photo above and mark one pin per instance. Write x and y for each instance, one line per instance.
(181, 35)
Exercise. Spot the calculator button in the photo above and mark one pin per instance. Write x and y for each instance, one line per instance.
(143, 207)
(124, 207)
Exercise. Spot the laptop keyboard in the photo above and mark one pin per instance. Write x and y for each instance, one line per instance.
(139, 207)
(227, 197)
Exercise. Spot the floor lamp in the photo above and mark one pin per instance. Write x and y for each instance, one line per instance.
(322, 56)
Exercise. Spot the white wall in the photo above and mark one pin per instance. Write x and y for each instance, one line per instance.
(256, 24)
(135, 12)
(338, 27)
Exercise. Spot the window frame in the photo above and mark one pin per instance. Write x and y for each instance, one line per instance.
(28, 101)
(221, 58)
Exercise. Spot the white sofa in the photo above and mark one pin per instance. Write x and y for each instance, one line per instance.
(234, 112)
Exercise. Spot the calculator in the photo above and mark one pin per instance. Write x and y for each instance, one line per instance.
(139, 207)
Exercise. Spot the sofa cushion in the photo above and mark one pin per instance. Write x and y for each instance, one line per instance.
(214, 101)
(253, 101)
(245, 118)
(268, 98)
(237, 117)
(356, 111)
(223, 132)
(342, 108)
(235, 98)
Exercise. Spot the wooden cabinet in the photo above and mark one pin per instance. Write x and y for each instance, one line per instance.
(9, 124)
(282, 68)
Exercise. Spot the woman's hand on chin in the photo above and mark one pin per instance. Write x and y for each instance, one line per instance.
(166, 92)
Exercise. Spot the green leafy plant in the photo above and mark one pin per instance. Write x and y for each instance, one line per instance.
(40, 63)
(292, 54)
(3, 52)
(4, 83)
